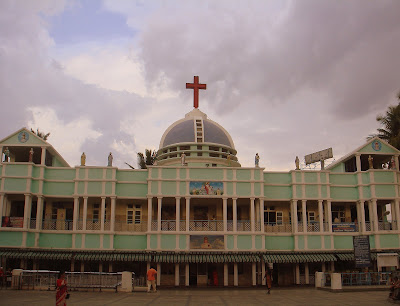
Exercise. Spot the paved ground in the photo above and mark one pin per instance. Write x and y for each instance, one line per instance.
(287, 296)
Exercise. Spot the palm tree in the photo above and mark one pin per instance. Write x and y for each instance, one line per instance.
(390, 122)
(146, 159)
(41, 134)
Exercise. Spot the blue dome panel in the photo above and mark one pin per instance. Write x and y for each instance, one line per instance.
(214, 134)
(182, 132)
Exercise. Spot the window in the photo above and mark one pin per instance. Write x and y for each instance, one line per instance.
(273, 217)
(173, 149)
(54, 214)
(96, 213)
(338, 214)
(214, 148)
(311, 216)
(199, 147)
(184, 148)
(214, 155)
(133, 214)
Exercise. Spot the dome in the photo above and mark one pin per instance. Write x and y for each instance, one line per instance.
(195, 127)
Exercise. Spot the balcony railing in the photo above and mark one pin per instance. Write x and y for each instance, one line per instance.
(60, 225)
(275, 227)
(206, 225)
(243, 225)
(123, 226)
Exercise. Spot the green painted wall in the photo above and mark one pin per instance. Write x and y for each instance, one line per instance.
(35, 171)
(300, 242)
(78, 241)
(206, 174)
(62, 241)
(311, 191)
(153, 241)
(344, 193)
(95, 187)
(30, 239)
(109, 174)
(168, 188)
(343, 242)
(182, 242)
(389, 241)
(92, 241)
(327, 242)
(168, 242)
(278, 192)
(385, 191)
(82, 173)
(53, 188)
(343, 179)
(59, 174)
(257, 175)
(35, 186)
(154, 187)
(384, 176)
(81, 187)
(12, 184)
(229, 242)
(243, 175)
(182, 188)
(372, 241)
(324, 192)
(132, 190)
(279, 242)
(16, 170)
(366, 192)
(310, 177)
(168, 173)
(96, 173)
(229, 188)
(108, 188)
(322, 177)
(338, 168)
(135, 175)
(182, 174)
(243, 189)
(11, 238)
(365, 178)
(244, 242)
(314, 242)
(257, 189)
(130, 242)
(229, 174)
(258, 242)
(384, 149)
(106, 241)
(154, 173)
(278, 178)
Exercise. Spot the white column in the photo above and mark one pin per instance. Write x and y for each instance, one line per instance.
(85, 202)
(294, 216)
(304, 215)
(187, 275)
(252, 217)
(254, 273)
(158, 274)
(332, 266)
(397, 209)
(159, 205)
(187, 213)
(297, 274)
(226, 275)
(235, 275)
(225, 214)
(43, 156)
(176, 274)
(307, 273)
(323, 267)
(262, 216)
(2, 198)
(177, 214)
(102, 212)
(76, 213)
(396, 162)
(375, 214)
(112, 221)
(149, 213)
(321, 216)
(358, 162)
(362, 216)
(371, 216)
(27, 210)
(234, 214)
(329, 212)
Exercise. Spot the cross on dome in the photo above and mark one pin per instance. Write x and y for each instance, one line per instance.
(196, 86)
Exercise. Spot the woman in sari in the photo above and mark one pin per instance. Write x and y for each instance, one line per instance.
(268, 276)
(61, 290)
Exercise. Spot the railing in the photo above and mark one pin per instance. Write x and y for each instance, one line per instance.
(243, 225)
(182, 225)
(386, 226)
(123, 226)
(368, 226)
(32, 223)
(299, 226)
(229, 225)
(206, 225)
(42, 279)
(93, 224)
(65, 225)
(365, 279)
(313, 227)
(273, 227)
(168, 225)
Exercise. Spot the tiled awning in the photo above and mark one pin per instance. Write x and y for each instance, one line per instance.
(298, 258)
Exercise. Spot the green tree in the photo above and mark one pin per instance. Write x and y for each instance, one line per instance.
(390, 122)
(41, 134)
(146, 159)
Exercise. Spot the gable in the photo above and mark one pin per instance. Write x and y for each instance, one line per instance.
(23, 137)
(377, 146)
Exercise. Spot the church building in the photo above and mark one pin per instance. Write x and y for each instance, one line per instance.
(196, 215)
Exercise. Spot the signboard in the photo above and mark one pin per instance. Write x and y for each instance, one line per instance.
(17, 222)
(362, 252)
(207, 242)
(318, 156)
(206, 188)
(343, 227)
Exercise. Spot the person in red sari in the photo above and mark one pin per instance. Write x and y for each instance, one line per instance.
(268, 276)
(62, 290)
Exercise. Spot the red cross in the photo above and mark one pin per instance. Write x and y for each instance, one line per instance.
(196, 86)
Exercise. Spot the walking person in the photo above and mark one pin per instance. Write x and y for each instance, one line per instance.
(268, 276)
(151, 279)
(62, 290)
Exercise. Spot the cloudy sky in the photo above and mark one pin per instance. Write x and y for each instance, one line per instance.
(284, 78)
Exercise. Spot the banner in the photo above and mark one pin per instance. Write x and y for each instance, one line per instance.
(207, 242)
(206, 188)
(343, 227)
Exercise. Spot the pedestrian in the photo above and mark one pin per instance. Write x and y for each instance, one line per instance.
(268, 276)
(61, 291)
(151, 279)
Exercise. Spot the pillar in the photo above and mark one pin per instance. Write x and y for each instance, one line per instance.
(226, 275)
(329, 212)
(112, 222)
(75, 217)
(294, 216)
(235, 275)
(176, 274)
(187, 213)
(304, 214)
(187, 275)
(332, 266)
(252, 215)
(254, 273)
(177, 214)
(375, 214)
(149, 213)
(225, 214)
(321, 216)
(323, 267)
(361, 218)
(297, 274)
(307, 273)
(2, 199)
(234, 213)
(358, 162)
(27, 210)
(397, 210)
(262, 216)
(159, 206)
(102, 213)
(43, 156)
(85, 202)
(158, 274)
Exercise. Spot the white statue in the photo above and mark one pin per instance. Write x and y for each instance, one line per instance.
(257, 160)
(183, 159)
(31, 155)
(110, 159)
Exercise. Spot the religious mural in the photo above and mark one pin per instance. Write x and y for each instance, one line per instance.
(206, 188)
(207, 242)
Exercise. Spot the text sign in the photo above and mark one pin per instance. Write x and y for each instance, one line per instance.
(362, 252)
(343, 227)
(318, 156)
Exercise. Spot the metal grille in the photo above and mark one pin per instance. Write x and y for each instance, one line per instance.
(93, 225)
(368, 226)
(182, 225)
(243, 226)
(167, 225)
(278, 228)
(132, 227)
(154, 225)
(62, 225)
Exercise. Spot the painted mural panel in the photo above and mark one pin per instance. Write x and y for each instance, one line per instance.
(207, 242)
(206, 188)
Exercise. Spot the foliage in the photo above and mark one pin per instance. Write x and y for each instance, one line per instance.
(40, 134)
(146, 159)
(390, 122)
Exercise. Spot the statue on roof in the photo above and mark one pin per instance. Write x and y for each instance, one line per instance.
(31, 155)
(257, 160)
(83, 159)
(297, 162)
(6, 154)
(371, 162)
(110, 160)
(183, 159)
